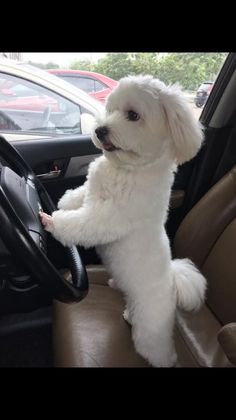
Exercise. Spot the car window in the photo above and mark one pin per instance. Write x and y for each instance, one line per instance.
(99, 86)
(83, 83)
(22, 90)
(27, 106)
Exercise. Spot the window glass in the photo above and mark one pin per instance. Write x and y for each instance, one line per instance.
(27, 106)
(83, 83)
(99, 86)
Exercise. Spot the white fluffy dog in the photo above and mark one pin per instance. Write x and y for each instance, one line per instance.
(146, 130)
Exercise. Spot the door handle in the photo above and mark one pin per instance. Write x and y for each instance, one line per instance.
(50, 174)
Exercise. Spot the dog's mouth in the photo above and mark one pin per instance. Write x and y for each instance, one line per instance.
(108, 145)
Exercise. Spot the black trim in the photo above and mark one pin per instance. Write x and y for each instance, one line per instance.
(39, 151)
(218, 89)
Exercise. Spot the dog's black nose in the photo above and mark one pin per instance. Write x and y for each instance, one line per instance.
(101, 132)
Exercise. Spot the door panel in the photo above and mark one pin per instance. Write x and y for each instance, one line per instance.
(78, 166)
(39, 151)
(69, 155)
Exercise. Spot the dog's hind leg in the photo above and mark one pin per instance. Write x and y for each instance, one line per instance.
(152, 333)
(126, 314)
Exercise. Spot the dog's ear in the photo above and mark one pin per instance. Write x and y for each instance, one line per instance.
(184, 129)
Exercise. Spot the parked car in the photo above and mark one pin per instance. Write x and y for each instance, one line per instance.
(37, 103)
(202, 93)
(96, 84)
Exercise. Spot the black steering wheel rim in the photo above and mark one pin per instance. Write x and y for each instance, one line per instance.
(18, 240)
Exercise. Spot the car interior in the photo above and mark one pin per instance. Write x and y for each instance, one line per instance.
(56, 308)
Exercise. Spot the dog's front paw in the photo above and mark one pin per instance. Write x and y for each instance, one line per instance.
(47, 221)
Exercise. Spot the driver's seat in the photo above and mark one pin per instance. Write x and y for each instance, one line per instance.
(93, 333)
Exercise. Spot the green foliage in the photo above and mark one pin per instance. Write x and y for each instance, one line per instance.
(187, 69)
(145, 63)
(82, 65)
(49, 65)
(115, 65)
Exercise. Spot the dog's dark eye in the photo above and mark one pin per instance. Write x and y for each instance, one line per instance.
(133, 116)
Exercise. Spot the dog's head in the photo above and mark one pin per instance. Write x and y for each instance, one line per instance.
(145, 120)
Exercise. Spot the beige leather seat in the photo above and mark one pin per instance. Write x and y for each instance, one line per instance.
(93, 333)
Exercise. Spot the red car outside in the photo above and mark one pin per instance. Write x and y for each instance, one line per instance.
(32, 103)
(19, 97)
(95, 84)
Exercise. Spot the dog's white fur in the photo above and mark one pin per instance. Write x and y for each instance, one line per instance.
(122, 209)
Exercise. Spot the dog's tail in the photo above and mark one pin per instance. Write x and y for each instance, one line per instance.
(189, 283)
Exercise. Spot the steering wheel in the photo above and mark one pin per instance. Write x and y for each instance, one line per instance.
(22, 195)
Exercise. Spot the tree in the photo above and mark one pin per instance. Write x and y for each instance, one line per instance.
(83, 65)
(145, 63)
(49, 65)
(115, 65)
(188, 69)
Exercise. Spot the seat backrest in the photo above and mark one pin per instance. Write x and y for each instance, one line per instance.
(207, 236)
